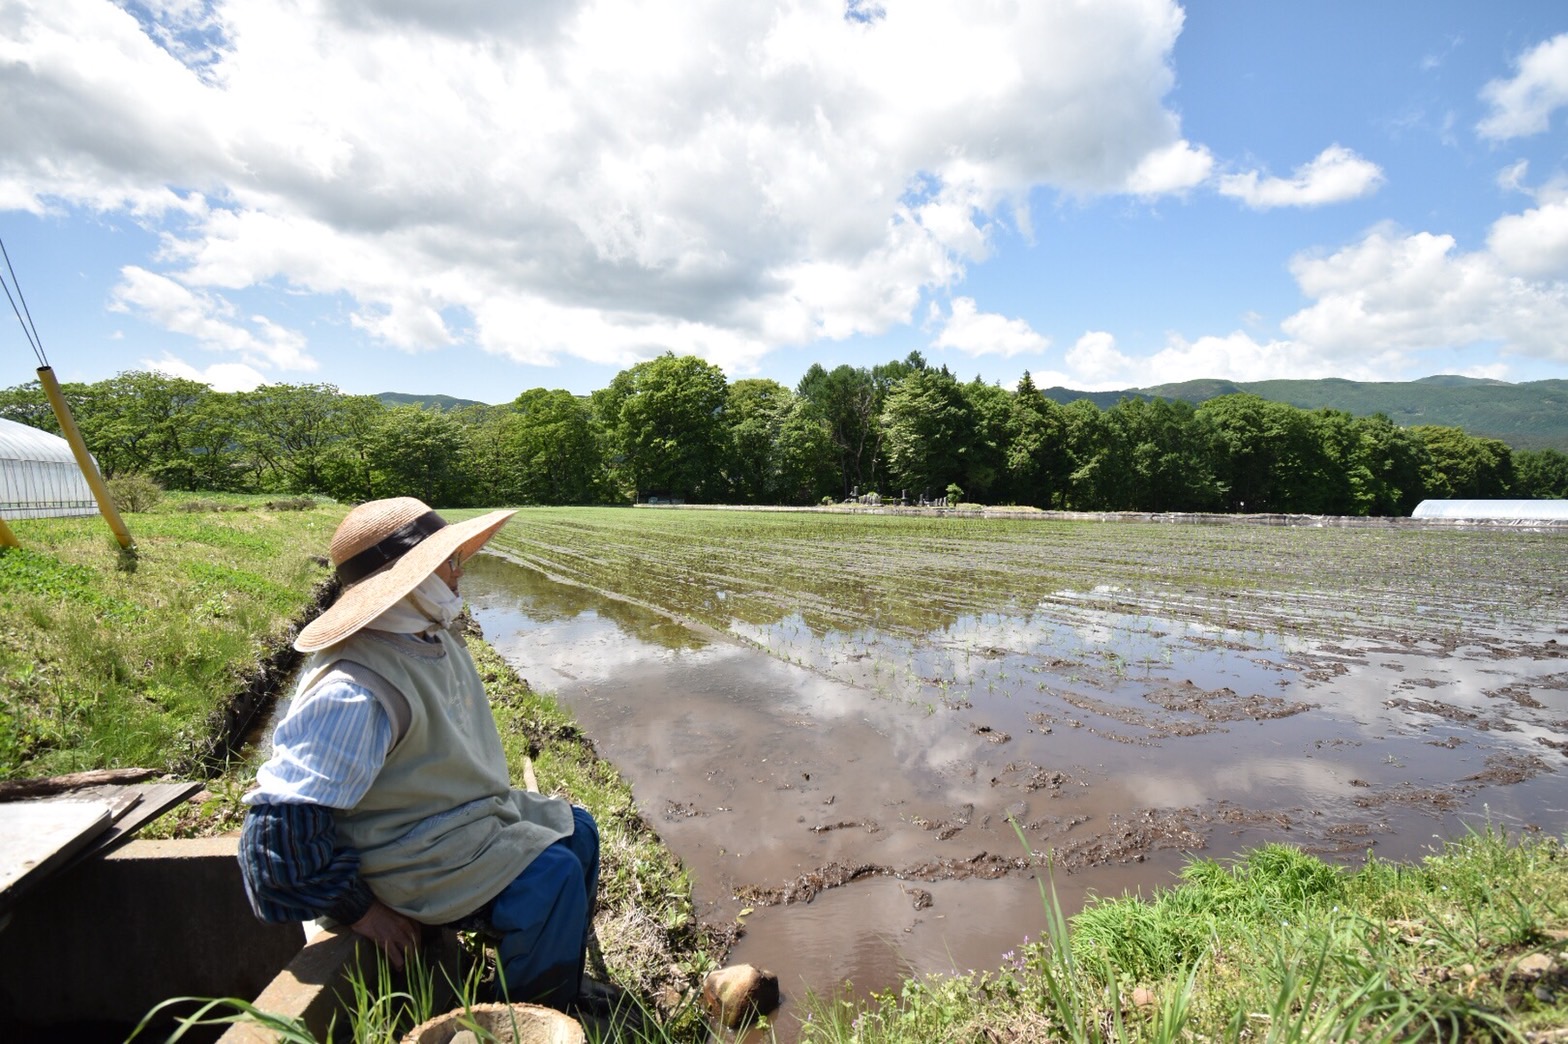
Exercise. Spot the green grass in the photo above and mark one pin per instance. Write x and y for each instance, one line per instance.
(111, 660)
(1276, 947)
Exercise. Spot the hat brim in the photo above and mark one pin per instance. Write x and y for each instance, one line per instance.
(361, 602)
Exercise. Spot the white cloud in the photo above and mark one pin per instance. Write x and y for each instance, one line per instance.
(1379, 307)
(1392, 295)
(209, 319)
(1533, 244)
(1524, 104)
(1095, 361)
(709, 176)
(1511, 178)
(977, 333)
(1173, 168)
(1337, 174)
(222, 377)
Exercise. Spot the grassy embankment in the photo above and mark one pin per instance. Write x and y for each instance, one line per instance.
(110, 667)
(112, 662)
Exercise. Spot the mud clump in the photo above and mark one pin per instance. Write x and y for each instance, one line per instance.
(1130, 839)
(1224, 704)
(1507, 769)
(803, 889)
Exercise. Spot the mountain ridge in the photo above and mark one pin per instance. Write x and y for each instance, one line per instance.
(1530, 415)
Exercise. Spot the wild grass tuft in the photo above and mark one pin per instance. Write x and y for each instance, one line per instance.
(1277, 947)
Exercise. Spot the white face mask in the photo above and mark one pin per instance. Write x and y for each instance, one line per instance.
(432, 606)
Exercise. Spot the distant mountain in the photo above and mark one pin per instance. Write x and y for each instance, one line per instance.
(1532, 415)
(444, 403)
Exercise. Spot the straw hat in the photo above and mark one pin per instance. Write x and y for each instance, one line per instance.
(383, 550)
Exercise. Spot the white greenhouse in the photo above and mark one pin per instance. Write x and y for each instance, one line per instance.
(1521, 511)
(38, 475)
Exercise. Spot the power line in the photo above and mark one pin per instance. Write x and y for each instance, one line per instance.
(28, 329)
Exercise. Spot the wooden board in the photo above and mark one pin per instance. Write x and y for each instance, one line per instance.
(36, 837)
(139, 806)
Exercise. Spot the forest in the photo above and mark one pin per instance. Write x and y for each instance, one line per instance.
(675, 428)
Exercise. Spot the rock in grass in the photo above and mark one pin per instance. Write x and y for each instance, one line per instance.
(738, 994)
(1535, 966)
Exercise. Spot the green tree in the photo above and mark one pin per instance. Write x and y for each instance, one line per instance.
(1398, 461)
(1266, 454)
(1160, 451)
(346, 471)
(1036, 447)
(806, 463)
(664, 420)
(985, 457)
(928, 426)
(1088, 453)
(417, 452)
(848, 401)
(1541, 474)
(554, 450)
(27, 404)
(291, 433)
(1366, 466)
(1464, 466)
(139, 422)
(755, 412)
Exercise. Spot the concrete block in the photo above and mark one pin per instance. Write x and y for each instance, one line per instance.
(107, 940)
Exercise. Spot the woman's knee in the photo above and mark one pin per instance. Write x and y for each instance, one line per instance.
(584, 841)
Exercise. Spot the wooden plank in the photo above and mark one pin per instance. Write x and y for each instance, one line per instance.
(37, 837)
(18, 789)
(151, 800)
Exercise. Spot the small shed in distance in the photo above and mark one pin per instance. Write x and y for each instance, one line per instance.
(39, 477)
(1524, 512)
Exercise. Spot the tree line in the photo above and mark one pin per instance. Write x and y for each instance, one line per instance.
(675, 427)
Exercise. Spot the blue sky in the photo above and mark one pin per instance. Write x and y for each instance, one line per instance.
(475, 199)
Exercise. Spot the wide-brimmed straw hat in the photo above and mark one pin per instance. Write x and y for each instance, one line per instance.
(382, 551)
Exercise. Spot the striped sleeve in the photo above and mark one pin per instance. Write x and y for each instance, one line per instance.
(327, 750)
(293, 868)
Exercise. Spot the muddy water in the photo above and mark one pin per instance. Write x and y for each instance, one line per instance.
(856, 791)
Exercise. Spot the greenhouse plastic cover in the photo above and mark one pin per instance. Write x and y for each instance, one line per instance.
(1523, 510)
(38, 475)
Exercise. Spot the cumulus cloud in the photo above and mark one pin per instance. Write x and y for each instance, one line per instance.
(210, 320)
(1393, 294)
(1337, 174)
(1097, 364)
(1533, 244)
(1523, 104)
(222, 377)
(1379, 306)
(977, 333)
(592, 178)
(1173, 168)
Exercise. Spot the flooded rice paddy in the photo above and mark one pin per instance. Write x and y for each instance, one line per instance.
(866, 734)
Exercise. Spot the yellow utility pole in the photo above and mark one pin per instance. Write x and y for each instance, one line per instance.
(84, 460)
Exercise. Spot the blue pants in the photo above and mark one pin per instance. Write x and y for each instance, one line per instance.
(543, 918)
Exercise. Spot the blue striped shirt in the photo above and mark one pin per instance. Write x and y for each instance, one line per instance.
(326, 753)
(327, 749)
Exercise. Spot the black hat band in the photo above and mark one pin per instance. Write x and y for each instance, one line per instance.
(394, 546)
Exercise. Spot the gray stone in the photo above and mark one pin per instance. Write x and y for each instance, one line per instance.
(1533, 967)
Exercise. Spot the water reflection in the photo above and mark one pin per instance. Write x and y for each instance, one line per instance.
(1119, 741)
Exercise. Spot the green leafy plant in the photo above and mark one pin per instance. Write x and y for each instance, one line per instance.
(134, 493)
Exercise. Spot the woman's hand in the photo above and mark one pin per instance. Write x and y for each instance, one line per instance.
(395, 934)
